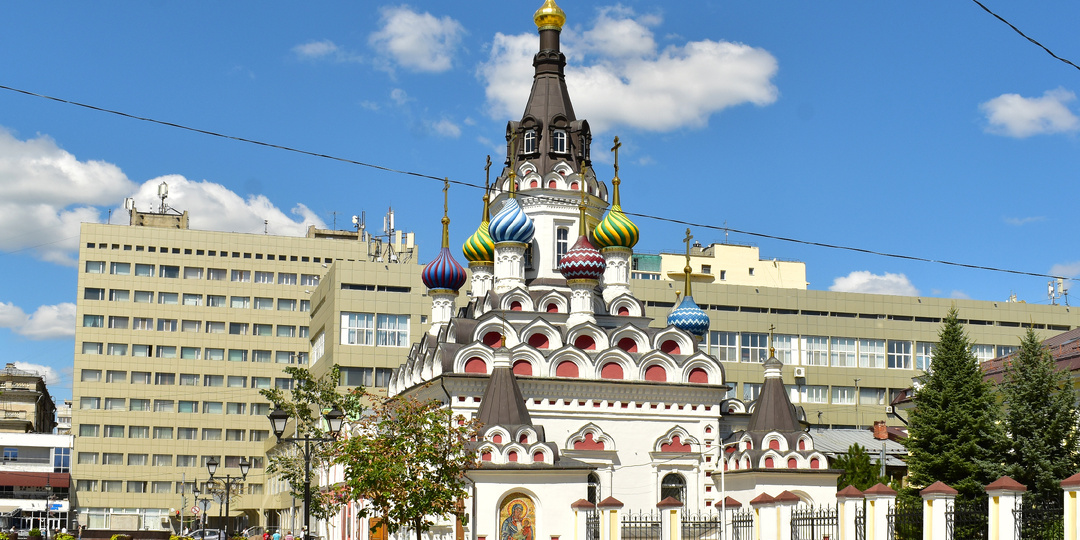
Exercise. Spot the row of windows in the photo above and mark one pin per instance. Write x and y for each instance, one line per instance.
(210, 253)
(382, 330)
(90, 403)
(185, 379)
(166, 433)
(196, 272)
(195, 353)
(186, 325)
(833, 351)
(366, 377)
(141, 486)
(559, 141)
(192, 299)
(835, 395)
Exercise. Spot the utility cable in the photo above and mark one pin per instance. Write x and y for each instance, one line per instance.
(1025, 36)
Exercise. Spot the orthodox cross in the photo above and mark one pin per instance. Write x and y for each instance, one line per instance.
(616, 150)
(487, 175)
(513, 165)
(445, 196)
(688, 238)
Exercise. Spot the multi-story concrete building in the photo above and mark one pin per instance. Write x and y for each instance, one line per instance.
(177, 331)
(35, 481)
(25, 403)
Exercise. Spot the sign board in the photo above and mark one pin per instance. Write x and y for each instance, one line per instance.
(195, 510)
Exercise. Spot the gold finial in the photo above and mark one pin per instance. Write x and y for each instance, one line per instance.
(487, 190)
(615, 182)
(513, 166)
(549, 16)
(581, 208)
(687, 269)
(445, 211)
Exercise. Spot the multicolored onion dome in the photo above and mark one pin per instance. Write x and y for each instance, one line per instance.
(511, 224)
(444, 272)
(480, 248)
(687, 316)
(615, 230)
(583, 261)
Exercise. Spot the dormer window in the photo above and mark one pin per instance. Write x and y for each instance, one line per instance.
(558, 141)
(529, 141)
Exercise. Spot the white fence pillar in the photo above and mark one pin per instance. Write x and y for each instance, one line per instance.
(670, 518)
(609, 518)
(582, 508)
(785, 504)
(765, 517)
(1071, 485)
(936, 499)
(1004, 494)
(850, 500)
(878, 501)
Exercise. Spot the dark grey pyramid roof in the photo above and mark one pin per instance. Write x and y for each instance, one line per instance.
(774, 411)
(503, 404)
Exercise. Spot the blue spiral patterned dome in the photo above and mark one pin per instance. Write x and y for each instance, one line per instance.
(444, 272)
(687, 316)
(511, 224)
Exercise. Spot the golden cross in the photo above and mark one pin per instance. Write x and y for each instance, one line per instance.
(487, 174)
(688, 238)
(616, 150)
(513, 165)
(445, 196)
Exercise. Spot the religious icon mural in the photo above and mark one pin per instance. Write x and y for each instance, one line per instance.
(517, 517)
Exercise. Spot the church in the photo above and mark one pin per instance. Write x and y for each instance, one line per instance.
(585, 403)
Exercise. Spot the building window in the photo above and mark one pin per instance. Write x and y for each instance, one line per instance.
(305, 306)
(260, 409)
(190, 326)
(755, 347)
(188, 407)
(119, 295)
(924, 352)
(558, 141)
(234, 435)
(751, 391)
(264, 303)
(193, 272)
(212, 407)
(843, 352)
(112, 486)
(89, 403)
(593, 493)
(163, 405)
(673, 485)
(214, 354)
(144, 270)
(872, 353)
(93, 321)
(814, 394)
(286, 279)
(215, 300)
(283, 383)
(166, 325)
(88, 458)
(114, 431)
(843, 395)
(238, 329)
(817, 351)
(1005, 350)
(392, 330)
(11, 454)
(899, 354)
(309, 280)
(139, 432)
(983, 353)
(286, 331)
(187, 433)
(120, 269)
(90, 375)
(115, 404)
(95, 267)
(235, 408)
(161, 487)
(165, 379)
(91, 293)
(237, 355)
(139, 405)
(562, 243)
(192, 299)
(242, 276)
(118, 323)
(216, 381)
(286, 304)
(166, 271)
(215, 274)
(264, 330)
(871, 396)
(239, 302)
(144, 297)
(136, 486)
(89, 430)
(136, 460)
(355, 376)
(215, 327)
(529, 141)
(264, 277)
(356, 329)
(724, 346)
(115, 376)
(186, 460)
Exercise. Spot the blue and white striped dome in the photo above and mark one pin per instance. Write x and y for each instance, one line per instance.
(687, 316)
(511, 224)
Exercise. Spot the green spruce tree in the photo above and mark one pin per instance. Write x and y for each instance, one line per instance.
(955, 435)
(1041, 419)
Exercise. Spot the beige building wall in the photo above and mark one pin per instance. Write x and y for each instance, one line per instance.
(168, 366)
(731, 264)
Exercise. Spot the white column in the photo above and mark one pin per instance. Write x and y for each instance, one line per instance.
(936, 500)
(616, 273)
(766, 517)
(783, 521)
(850, 500)
(509, 266)
(1071, 486)
(442, 308)
(581, 302)
(878, 500)
(1004, 495)
(483, 275)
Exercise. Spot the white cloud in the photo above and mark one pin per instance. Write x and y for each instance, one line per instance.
(1015, 116)
(417, 41)
(324, 50)
(1024, 220)
(618, 75)
(957, 294)
(214, 207)
(45, 193)
(445, 128)
(52, 378)
(1069, 269)
(47, 322)
(863, 281)
(400, 96)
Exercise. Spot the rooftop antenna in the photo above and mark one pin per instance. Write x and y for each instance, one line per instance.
(266, 226)
(725, 232)
(1051, 293)
(163, 193)
(335, 219)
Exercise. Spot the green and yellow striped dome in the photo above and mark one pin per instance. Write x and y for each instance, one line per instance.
(480, 247)
(615, 230)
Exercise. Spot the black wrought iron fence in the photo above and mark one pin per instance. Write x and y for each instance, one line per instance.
(905, 521)
(640, 526)
(860, 521)
(968, 520)
(1040, 518)
(815, 523)
(592, 526)
(742, 525)
(702, 526)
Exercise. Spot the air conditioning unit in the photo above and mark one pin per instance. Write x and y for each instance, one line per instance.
(800, 372)
(888, 409)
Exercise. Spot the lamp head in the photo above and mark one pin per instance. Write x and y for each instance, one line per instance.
(334, 419)
(278, 420)
(245, 466)
(211, 466)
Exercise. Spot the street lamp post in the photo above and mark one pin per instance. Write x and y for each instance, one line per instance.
(279, 419)
(228, 482)
(204, 507)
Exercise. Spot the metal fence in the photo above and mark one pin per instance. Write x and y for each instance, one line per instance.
(640, 526)
(810, 523)
(702, 526)
(860, 521)
(742, 525)
(968, 520)
(1040, 518)
(592, 526)
(905, 521)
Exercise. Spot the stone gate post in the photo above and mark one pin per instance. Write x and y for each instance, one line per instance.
(671, 523)
(609, 518)
(765, 517)
(785, 503)
(1004, 495)
(581, 509)
(850, 499)
(878, 500)
(1071, 486)
(936, 499)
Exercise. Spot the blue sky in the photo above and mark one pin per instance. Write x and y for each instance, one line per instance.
(922, 128)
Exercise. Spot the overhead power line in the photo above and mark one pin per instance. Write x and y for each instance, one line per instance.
(1017, 30)
(523, 195)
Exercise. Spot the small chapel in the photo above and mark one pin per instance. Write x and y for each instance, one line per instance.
(585, 402)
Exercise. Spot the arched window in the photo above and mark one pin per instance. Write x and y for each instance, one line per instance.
(529, 141)
(562, 242)
(522, 367)
(594, 489)
(673, 485)
(558, 141)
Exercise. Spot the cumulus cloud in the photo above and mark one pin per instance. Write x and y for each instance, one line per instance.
(45, 193)
(51, 376)
(863, 281)
(1021, 221)
(1069, 269)
(417, 41)
(619, 76)
(214, 207)
(445, 128)
(324, 50)
(47, 322)
(1013, 115)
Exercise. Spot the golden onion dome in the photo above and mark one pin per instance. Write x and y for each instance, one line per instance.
(549, 15)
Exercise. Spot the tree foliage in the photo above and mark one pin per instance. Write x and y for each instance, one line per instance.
(1041, 419)
(859, 471)
(306, 402)
(408, 461)
(955, 432)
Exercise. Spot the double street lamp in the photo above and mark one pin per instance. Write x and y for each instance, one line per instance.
(228, 482)
(279, 419)
(201, 504)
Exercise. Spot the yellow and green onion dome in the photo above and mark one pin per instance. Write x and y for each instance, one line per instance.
(480, 248)
(615, 230)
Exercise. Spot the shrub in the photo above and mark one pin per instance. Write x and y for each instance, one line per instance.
(121, 537)
(63, 536)
(34, 533)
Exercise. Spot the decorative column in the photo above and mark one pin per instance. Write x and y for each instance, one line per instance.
(765, 517)
(785, 503)
(878, 500)
(849, 499)
(936, 500)
(609, 518)
(582, 508)
(483, 277)
(1071, 486)
(1005, 494)
(671, 527)
(616, 272)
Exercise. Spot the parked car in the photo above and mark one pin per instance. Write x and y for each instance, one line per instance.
(207, 534)
(253, 533)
